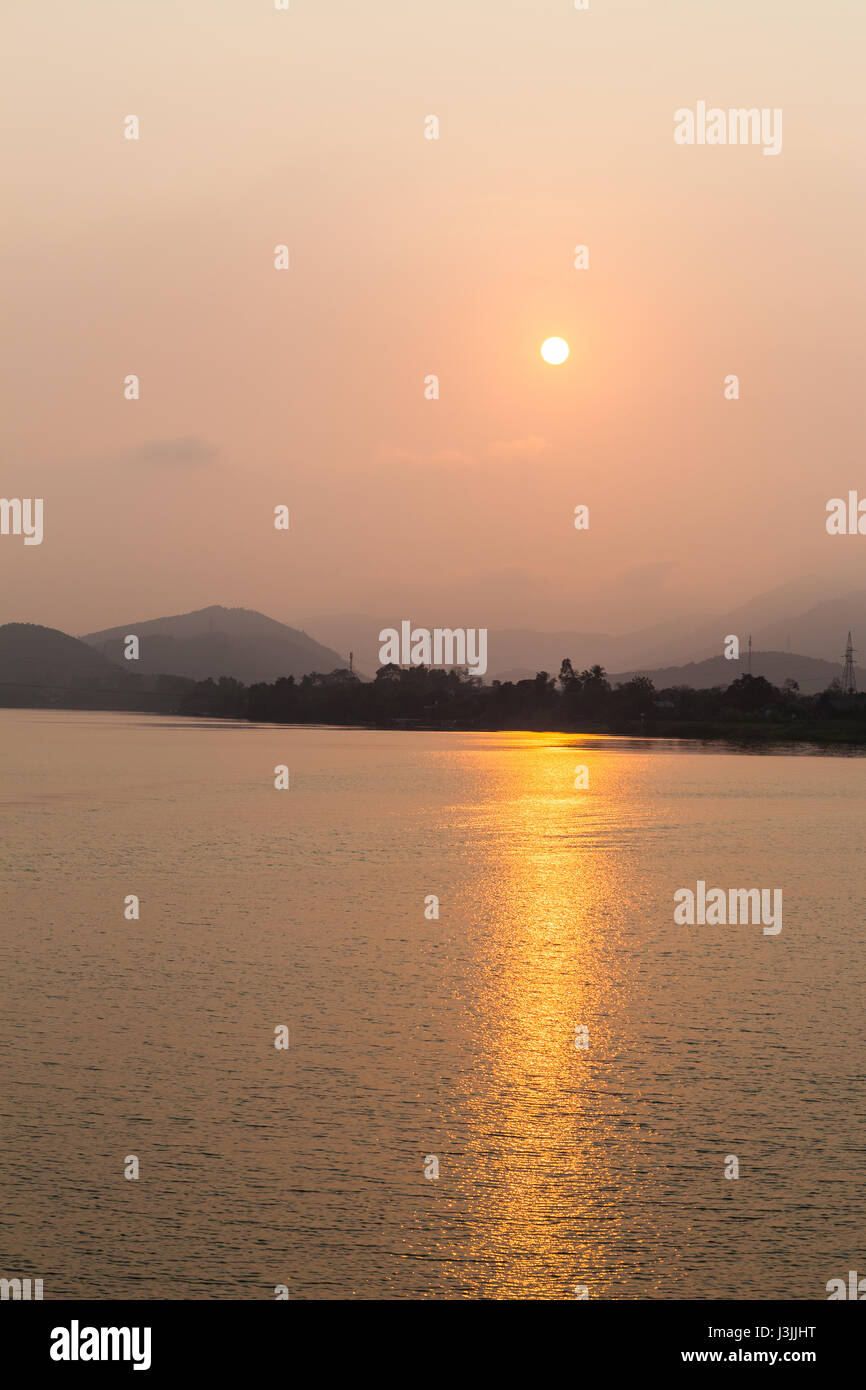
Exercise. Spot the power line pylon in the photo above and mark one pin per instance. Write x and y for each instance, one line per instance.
(849, 680)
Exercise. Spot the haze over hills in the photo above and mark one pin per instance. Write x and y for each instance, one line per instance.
(811, 673)
(820, 630)
(783, 619)
(251, 647)
(216, 642)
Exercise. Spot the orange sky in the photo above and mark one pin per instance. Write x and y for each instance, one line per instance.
(411, 257)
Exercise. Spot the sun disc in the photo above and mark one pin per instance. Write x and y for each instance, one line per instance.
(554, 350)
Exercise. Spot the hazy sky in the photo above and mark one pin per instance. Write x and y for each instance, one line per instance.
(410, 257)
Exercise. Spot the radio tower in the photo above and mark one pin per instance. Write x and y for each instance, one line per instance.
(849, 682)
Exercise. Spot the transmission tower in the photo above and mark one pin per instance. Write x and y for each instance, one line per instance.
(849, 680)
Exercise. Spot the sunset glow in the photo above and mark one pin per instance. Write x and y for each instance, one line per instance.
(433, 787)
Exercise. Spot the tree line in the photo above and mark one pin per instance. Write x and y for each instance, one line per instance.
(427, 697)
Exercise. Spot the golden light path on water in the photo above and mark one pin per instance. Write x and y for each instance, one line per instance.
(536, 1168)
(415, 1037)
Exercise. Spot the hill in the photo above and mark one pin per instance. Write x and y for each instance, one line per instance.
(216, 642)
(776, 619)
(811, 673)
(34, 656)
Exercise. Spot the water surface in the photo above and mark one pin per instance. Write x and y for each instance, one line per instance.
(413, 1037)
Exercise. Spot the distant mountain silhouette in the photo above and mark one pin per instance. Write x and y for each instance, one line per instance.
(788, 611)
(251, 647)
(218, 642)
(811, 673)
(821, 629)
(359, 632)
(31, 655)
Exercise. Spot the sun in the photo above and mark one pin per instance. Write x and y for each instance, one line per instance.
(554, 350)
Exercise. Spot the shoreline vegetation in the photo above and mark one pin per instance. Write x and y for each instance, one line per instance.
(749, 710)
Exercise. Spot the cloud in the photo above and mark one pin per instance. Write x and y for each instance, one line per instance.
(443, 458)
(505, 449)
(530, 447)
(190, 451)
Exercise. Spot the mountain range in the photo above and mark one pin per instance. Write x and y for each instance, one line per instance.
(774, 620)
(247, 645)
